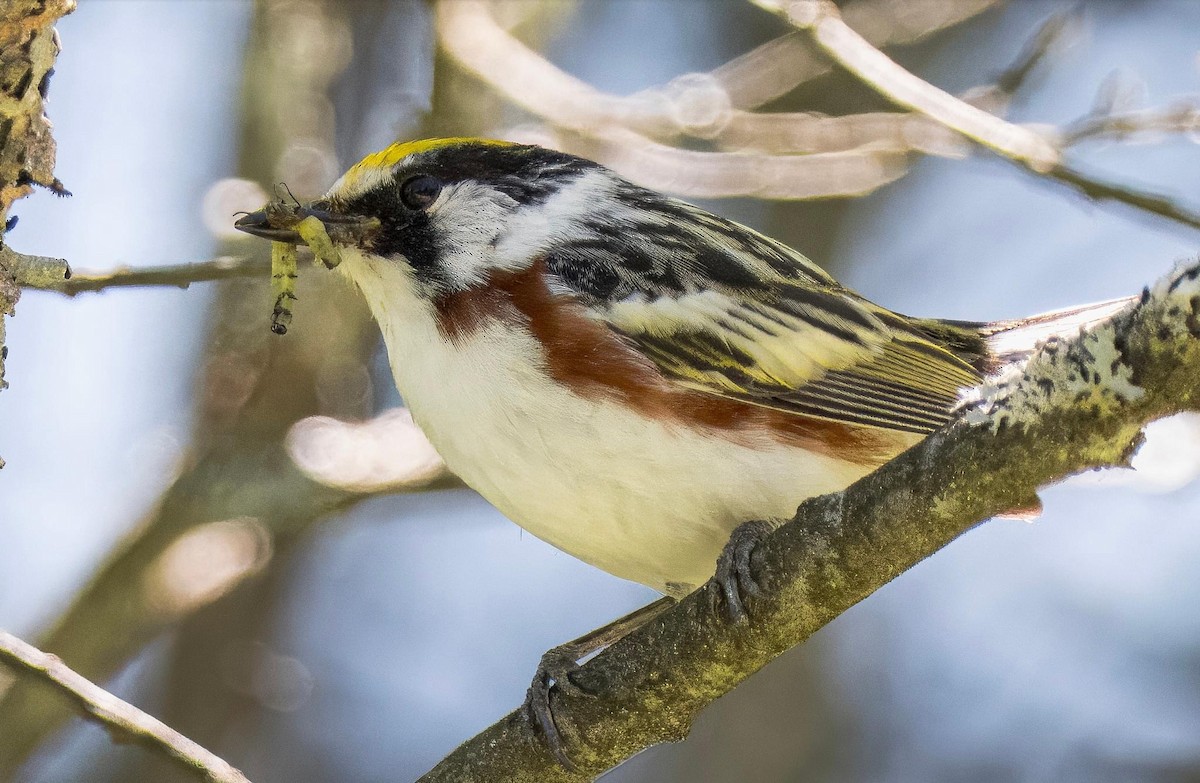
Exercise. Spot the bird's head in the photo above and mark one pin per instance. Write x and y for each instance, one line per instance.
(452, 211)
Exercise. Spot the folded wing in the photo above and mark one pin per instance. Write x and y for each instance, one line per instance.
(725, 310)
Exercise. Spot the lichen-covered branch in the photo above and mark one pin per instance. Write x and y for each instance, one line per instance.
(1077, 405)
(35, 271)
(28, 48)
(119, 717)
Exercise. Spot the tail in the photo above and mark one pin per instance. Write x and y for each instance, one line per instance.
(989, 346)
(1012, 341)
(1007, 342)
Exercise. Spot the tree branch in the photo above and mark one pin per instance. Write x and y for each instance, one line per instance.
(1078, 404)
(53, 274)
(116, 715)
(628, 132)
(879, 72)
(1016, 143)
(28, 49)
(1181, 118)
(473, 36)
(246, 495)
(777, 67)
(757, 152)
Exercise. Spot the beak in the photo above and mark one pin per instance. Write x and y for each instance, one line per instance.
(259, 224)
(277, 221)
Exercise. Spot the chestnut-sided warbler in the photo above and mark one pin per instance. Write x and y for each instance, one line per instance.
(624, 375)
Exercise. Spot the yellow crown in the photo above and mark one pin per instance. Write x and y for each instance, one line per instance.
(390, 156)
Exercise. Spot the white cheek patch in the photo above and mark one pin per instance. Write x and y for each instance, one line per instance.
(534, 229)
(467, 218)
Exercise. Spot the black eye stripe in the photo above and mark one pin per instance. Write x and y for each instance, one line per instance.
(419, 191)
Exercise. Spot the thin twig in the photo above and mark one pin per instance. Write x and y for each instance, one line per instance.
(1046, 40)
(114, 714)
(1099, 190)
(176, 275)
(1048, 37)
(1183, 118)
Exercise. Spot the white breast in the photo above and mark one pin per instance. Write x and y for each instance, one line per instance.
(640, 499)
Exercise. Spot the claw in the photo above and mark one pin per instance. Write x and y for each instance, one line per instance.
(557, 667)
(554, 670)
(733, 569)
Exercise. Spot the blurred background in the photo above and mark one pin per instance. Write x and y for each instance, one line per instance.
(241, 534)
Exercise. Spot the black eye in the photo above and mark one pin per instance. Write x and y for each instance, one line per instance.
(420, 191)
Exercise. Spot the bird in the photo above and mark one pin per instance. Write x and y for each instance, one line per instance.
(637, 381)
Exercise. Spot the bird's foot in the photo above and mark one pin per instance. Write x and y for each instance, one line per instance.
(733, 570)
(557, 669)
(554, 670)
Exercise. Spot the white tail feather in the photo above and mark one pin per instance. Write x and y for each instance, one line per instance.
(1013, 340)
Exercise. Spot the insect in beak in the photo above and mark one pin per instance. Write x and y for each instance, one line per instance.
(280, 221)
(288, 224)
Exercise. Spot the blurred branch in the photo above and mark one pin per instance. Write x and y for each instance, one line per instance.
(1153, 203)
(470, 32)
(245, 498)
(175, 275)
(119, 717)
(777, 67)
(1049, 37)
(875, 69)
(791, 133)
(1090, 395)
(794, 155)
(626, 132)
(843, 155)
(722, 174)
(1183, 118)
(28, 49)
(1033, 151)
(788, 132)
